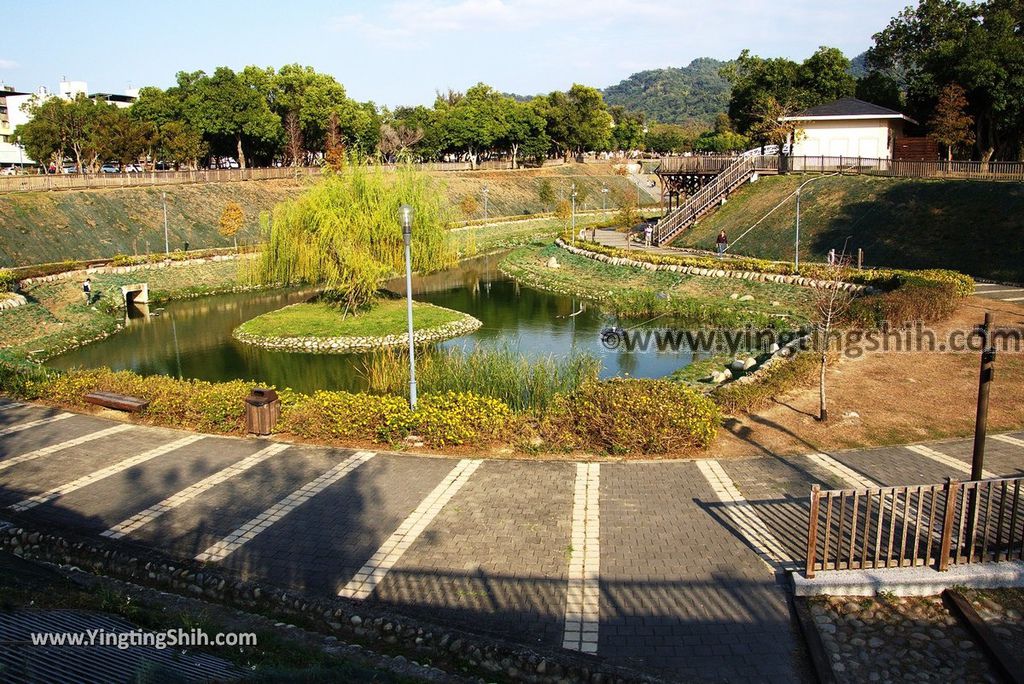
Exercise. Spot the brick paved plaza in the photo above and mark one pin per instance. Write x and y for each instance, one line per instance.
(672, 567)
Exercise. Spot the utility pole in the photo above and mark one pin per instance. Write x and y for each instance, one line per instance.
(574, 213)
(988, 358)
(796, 251)
(485, 203)
(167, 244)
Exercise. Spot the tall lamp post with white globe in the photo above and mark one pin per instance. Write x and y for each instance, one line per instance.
(405, 213)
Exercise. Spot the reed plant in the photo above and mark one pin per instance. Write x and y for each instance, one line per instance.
(522, 383)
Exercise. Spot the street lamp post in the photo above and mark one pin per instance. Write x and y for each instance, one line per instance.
(574, 213)
(167, 244)
(604, 200)
(21, 156)
(485, 203)
(796, 253)
(405, 212)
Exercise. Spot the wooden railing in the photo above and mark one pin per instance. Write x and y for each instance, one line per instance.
(703, 200)
(925, 525)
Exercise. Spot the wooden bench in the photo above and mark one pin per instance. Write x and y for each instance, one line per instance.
(121, 402)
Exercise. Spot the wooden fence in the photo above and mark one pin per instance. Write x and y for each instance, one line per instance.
(925, 525)
(78, 181)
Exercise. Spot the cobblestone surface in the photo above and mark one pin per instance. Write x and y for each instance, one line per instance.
(897, 640)
(1003, 611)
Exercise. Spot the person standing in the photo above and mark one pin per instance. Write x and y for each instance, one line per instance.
(87, 291)
(648, 234)
(722, 242)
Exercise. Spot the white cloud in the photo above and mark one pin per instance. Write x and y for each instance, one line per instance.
(8, 64)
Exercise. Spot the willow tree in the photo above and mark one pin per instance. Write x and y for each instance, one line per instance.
(344, 235)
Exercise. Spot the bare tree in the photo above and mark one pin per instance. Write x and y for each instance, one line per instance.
(334, 147)
(831, 302)
(293, 131)
(395, 141)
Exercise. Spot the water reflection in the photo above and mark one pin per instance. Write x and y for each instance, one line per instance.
(192, 338)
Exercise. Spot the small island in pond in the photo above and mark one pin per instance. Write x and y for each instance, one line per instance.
(321, 328)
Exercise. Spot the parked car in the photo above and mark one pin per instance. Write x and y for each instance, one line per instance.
(110, 167)
(9, 171)
(164, 166)
(133, 168)
(70, 168)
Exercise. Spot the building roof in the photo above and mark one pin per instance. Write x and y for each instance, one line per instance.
(846, 108)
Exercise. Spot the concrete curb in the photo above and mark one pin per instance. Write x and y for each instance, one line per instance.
(922, 581)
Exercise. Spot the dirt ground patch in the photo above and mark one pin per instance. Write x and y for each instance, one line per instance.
(889, 398)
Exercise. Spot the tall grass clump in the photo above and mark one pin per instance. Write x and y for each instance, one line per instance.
(522, 383)
(344, 234)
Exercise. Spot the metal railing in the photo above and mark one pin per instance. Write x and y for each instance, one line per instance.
(924, 525)
(713, 164)
(704, 199)
(77, 181)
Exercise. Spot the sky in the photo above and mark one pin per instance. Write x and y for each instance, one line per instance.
(403, 51)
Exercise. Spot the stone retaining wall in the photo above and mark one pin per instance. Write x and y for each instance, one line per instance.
(713, 272)
(331, 615)
(349, 345)
(82, 273)
(10, 300)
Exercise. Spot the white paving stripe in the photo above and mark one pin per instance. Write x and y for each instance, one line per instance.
(988, 292)
(1009, 440)
(1012, 299)
(34, 423)
(247, 532)
(376, 569)
(582, 601)
(744, 517)
(10, 405)
(843, 472)
(61, 446)
(147, 516)
(98, 475)
(947, 460)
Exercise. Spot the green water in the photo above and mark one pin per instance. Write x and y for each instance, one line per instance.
(192, 338)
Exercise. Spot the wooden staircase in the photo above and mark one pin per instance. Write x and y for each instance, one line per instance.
(707, 198)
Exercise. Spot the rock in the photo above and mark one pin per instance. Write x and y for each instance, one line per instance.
(851, 415)
(773, 349)
(737, 365)
(734, 295)
(356, 620)
(747, 298)
(775, 303)
(552, 263)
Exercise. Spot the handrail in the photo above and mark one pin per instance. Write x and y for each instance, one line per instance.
(696, 204)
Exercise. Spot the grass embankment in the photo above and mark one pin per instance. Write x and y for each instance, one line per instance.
(42, 227)
(57, 317)
(975, 227)
(634, 292)
(321, 320)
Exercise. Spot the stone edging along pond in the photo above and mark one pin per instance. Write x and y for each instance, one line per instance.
(712, 272)
(348, 345)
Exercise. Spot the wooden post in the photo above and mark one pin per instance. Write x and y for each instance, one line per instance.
(812, 531)
(860, 258)
(952, 489)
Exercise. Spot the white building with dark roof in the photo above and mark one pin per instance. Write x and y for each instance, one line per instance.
(846, 128)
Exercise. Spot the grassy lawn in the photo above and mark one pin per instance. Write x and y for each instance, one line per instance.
(639, 292)
(975, 227)
(492, 237)
(57, 317)
(386, 317)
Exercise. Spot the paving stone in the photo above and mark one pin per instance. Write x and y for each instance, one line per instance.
(496, 557)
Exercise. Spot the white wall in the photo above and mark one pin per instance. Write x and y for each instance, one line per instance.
(867, 138)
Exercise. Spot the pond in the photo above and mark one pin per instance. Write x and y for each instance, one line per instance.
(192, 338)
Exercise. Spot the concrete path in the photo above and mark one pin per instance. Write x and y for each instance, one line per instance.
(673, 567)
(1002, 293)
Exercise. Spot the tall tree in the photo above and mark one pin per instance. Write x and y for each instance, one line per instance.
(226, 105)
(951, 125)
(628, 129)
(476, 122)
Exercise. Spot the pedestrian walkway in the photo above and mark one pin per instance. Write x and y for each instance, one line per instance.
(674, 567)
(1002, 293)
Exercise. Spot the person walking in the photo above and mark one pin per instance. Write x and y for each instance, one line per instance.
(722, 242)
(87, 291)
(648, 234)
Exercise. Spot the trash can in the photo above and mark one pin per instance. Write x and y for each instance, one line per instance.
(262, 409)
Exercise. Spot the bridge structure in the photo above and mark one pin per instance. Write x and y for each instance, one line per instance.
(693, 186)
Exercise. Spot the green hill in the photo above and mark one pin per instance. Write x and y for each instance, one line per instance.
(976, 227)
(675, 95)
(41, 227)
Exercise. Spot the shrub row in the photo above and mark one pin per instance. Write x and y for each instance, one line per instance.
(620, 416)
(780, 378)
